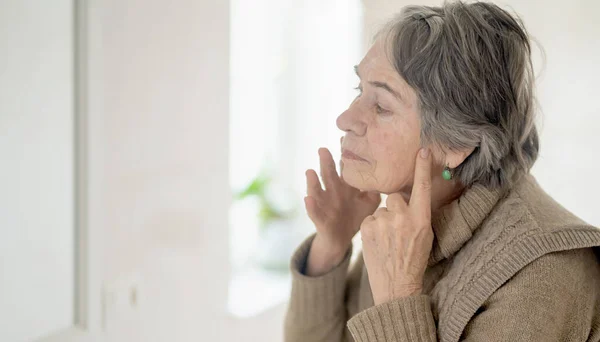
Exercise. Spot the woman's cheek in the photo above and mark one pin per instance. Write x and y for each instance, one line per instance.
(384, 147)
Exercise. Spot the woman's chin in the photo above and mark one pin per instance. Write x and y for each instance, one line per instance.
(355, 180)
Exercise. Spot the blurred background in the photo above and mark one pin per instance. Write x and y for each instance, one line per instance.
(152, 153)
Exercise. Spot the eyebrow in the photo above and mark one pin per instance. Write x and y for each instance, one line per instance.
(382, 85)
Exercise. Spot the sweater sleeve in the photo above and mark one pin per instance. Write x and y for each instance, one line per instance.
(555, 298)
(405, 319)
(316, 311)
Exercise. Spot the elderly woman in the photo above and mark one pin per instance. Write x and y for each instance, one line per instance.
(468, 246)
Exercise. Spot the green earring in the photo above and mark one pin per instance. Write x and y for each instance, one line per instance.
(447, 174)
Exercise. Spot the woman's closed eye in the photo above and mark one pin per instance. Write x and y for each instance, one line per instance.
(378, 108)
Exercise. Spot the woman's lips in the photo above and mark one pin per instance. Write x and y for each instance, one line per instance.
(349, 155)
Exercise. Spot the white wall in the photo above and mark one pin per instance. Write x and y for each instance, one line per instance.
(36, 168)
(163, 130)
(159, 187)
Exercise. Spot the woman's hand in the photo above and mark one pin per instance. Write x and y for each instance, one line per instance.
(397, 240)
(337, 211)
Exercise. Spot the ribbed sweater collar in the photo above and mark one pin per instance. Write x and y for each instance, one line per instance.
(454, 224)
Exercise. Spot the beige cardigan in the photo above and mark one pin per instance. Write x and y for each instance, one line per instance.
(505, 266)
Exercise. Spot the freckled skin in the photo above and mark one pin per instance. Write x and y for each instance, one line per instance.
(387, 141)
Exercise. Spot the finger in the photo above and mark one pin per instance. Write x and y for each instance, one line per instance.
(380, 212)
(420, 198)
(365, 229)
(395, 202)
(313, 210)
(369, 218)
(328, 172)
(313, 185)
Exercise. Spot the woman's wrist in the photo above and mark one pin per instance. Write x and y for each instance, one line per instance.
(323, 257)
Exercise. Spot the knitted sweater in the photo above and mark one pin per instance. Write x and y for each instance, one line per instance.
(505, 266)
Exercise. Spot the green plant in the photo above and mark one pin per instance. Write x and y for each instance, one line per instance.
(267, 212)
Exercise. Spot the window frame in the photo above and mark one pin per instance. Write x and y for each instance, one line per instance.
(85, 321)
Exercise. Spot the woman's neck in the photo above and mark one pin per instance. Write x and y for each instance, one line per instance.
(444, 192)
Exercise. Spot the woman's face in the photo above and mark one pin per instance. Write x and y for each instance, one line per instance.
(382, 126)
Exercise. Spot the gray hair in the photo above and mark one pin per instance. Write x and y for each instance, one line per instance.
(470, 65)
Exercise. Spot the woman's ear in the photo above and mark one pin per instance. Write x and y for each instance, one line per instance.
(455, 158)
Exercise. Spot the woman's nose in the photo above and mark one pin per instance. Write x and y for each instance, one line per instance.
(351, 121)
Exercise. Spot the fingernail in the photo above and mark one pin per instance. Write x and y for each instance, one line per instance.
(424, 153)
